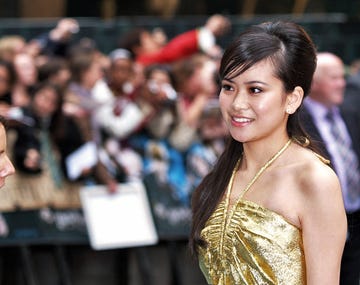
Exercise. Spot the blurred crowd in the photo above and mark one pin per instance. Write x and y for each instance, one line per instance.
(77, 116)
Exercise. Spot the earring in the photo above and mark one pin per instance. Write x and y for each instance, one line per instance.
(288, 110)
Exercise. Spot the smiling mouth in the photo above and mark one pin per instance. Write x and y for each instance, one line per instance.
(241, 120)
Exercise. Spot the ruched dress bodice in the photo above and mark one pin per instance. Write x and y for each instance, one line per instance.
(257, 246)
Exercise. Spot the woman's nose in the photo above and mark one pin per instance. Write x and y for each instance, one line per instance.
(240, 101)
(9, 168)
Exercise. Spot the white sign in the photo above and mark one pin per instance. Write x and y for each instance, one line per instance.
(118, 220)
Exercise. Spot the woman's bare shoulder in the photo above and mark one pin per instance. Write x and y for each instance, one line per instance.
(316, 179)
(316, 172)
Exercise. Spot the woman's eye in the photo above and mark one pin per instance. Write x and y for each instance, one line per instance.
(255, 90)
(226, 87)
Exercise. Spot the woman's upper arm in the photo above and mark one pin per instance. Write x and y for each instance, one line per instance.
(324, 226)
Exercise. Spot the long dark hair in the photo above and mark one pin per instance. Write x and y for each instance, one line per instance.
(293, 54)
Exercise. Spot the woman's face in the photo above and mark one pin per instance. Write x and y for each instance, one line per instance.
(6, 167)
(253, 104)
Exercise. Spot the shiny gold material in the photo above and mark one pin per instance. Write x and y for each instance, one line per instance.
(249, 244)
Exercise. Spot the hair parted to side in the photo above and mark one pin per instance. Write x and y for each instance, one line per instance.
(293, 55)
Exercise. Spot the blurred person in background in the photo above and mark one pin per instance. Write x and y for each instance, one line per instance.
(10, 46)
(34, 151)
(162, 161)
(57, 42)
(79, 107)
(86, 45)
(26, 78)
(7, 80)
(56, 71)
(148, 50)
(78, 100)
(119, 117)
(195, 84)
(323, 111)
(119, 113)
(204, 152)
(159, 90)
(352, 91)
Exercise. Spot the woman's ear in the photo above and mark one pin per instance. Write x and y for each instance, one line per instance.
(294, 100)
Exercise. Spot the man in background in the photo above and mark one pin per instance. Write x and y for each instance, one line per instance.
(338, 134)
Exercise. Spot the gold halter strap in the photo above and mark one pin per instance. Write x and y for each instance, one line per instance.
(256, 176)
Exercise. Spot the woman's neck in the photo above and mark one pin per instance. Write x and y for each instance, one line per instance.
(257, 153)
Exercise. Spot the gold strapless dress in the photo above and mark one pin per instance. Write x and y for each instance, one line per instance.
(257, 247)
(249, 244)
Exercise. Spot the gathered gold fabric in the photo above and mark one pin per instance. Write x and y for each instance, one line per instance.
(249, 244)
(257, 247)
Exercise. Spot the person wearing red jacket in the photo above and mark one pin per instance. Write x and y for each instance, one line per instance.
(148, 51)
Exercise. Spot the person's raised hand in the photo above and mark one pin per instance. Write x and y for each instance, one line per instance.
(218, 25)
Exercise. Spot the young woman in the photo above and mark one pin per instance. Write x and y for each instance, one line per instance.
(270, 211)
